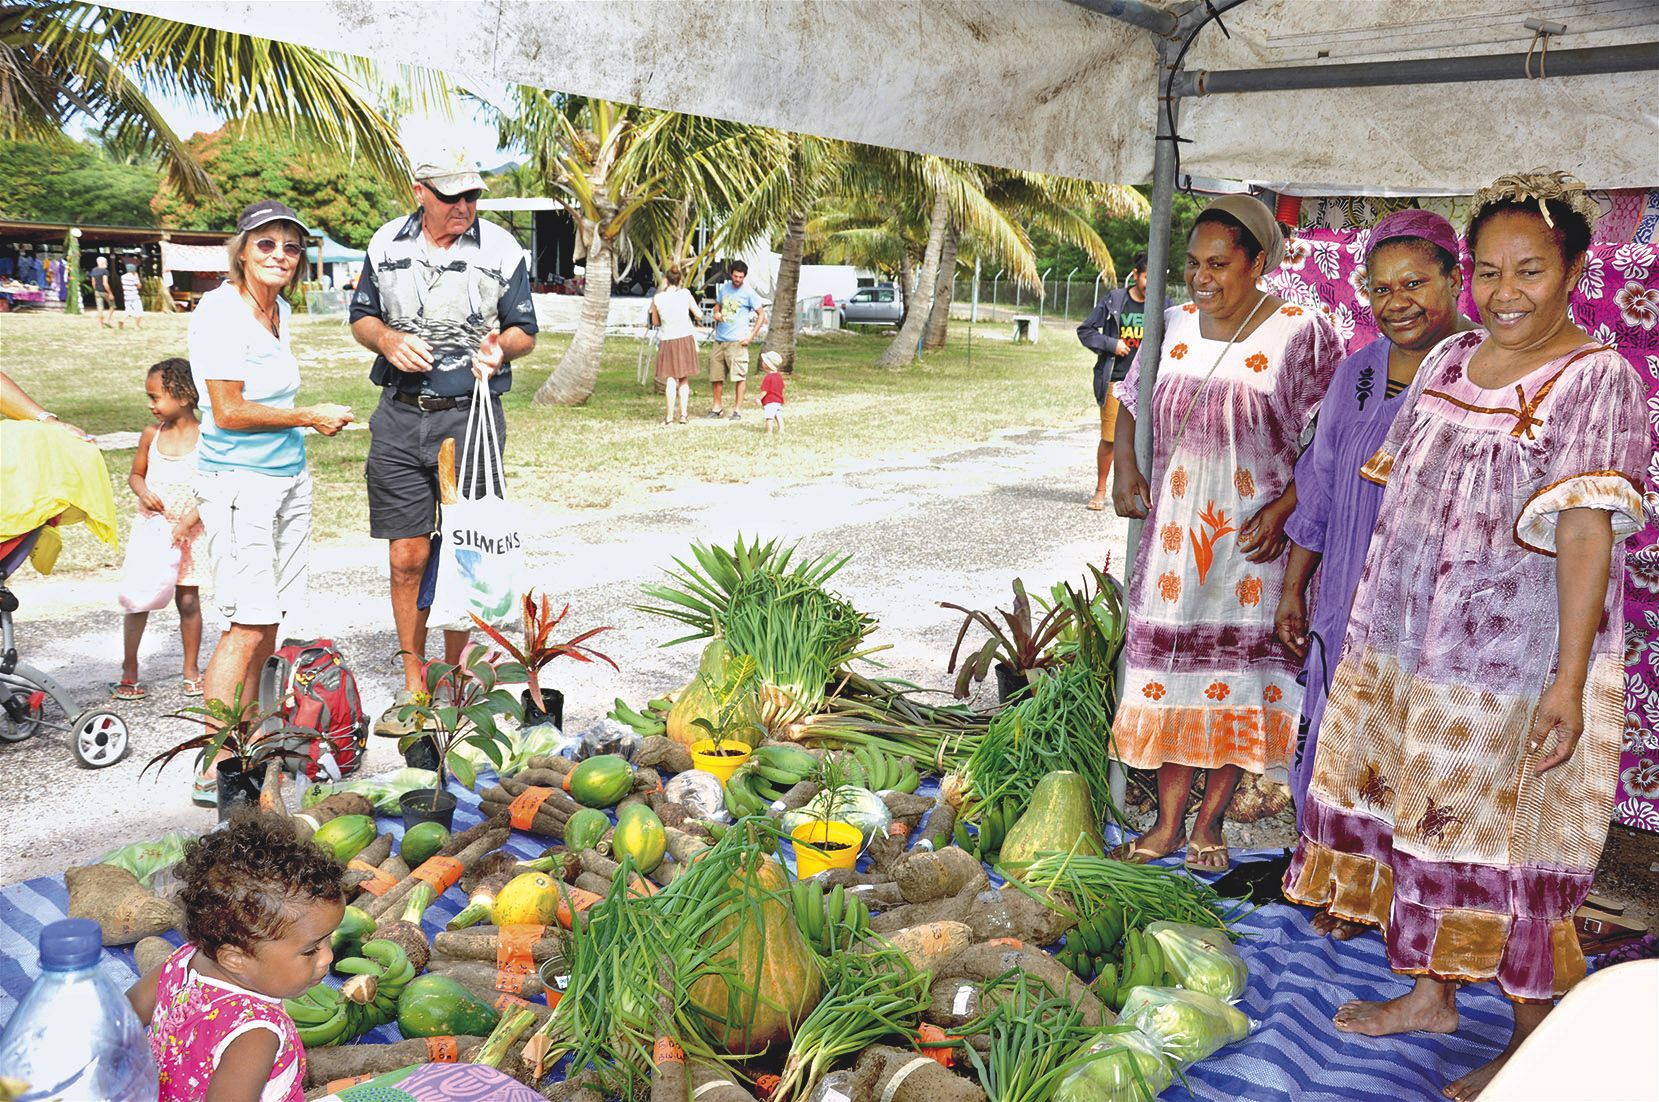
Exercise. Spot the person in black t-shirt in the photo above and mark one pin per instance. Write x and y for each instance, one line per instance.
(1113, 331)
(102, 297)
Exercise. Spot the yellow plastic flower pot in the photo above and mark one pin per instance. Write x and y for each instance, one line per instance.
(722, 764)
(811, 860)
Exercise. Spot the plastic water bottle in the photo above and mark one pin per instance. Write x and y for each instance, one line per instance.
(74, 1036)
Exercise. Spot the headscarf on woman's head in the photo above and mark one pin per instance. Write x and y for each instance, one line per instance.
(1258, 222)
(1424, 225)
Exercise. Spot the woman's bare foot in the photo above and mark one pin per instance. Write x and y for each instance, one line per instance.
(1429, 1007)
(1527, 1017)
(1326, 924)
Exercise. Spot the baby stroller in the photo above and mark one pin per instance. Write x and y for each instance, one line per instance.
(28, 697)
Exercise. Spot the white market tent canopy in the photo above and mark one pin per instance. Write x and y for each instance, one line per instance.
(1054, 86)
(194, 258)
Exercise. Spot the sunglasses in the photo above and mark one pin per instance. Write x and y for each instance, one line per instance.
(451, 200)
(268, 245)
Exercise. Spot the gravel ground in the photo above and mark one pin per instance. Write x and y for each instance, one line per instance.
(953, 526)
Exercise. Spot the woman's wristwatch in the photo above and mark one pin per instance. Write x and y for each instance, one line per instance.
(46, 415)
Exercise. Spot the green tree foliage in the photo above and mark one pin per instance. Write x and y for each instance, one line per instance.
(331, 194)
(71, 182)
(1124, 238)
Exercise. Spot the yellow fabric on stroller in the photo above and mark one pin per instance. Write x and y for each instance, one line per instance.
(46, 472)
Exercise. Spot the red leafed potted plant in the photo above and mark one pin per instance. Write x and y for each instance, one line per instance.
(539, 649)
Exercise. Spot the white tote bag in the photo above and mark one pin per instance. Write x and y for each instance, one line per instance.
(151, 569)
(480, 563)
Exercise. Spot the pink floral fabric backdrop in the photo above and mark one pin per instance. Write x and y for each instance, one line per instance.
(1617, 303)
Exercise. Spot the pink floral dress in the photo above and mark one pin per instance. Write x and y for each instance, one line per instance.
(196, 1018)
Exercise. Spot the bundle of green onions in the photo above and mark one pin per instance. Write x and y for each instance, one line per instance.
(887, 715)
(1062, 725)
(751, 596)
(870, 995)
(1146, 893)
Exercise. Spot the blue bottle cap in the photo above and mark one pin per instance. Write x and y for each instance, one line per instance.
(70, 943)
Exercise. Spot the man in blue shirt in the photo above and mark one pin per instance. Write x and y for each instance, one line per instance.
(739, 314)
(444, 297)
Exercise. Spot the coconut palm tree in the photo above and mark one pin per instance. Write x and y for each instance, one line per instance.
(609, 164)
(63, 58)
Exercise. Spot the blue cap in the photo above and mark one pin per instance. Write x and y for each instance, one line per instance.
(70, 943)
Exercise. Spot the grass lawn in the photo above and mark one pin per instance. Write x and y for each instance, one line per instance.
(611, 450)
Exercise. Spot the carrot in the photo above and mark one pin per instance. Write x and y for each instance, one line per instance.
(325, 1065)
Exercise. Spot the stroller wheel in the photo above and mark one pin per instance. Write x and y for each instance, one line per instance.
(20, 717)
(99, 739)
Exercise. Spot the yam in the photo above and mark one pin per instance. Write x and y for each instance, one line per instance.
(989, 960)
(663, 753)
(924, 876)
(484, 942)
(124, 909)
(713, 1083)
(900, 1075)
(491, 864)
(958, 908)
(408, 937)
(907, 805)
(151, 953)
(1012, 913)
(931, 946)
(550, 763)
(484, 980)
(325, 1065)
(468, 846)
(884, 851)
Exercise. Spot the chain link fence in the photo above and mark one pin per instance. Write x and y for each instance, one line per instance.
(1062, 300)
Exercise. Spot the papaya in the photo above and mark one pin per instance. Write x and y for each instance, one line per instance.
(696, 702)
(421, 841)
(529, 899)
(1059, 814)
(345, 836)
(437, 1006)
(600, 781)
(778, 981)
(639, 834)
(585, 828)
(356, 926)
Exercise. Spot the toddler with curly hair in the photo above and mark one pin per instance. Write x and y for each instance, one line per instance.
(260, 905)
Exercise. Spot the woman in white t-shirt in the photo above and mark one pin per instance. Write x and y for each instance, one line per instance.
(253, 490)
(674, 312)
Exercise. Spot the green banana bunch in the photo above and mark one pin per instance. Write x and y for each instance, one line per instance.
(661, 705)
(324, 1016)
(747, 792)
(883, 772)
(1144, 964)
(808, 899)
(638, 722)
(783, 766)
(994, 821)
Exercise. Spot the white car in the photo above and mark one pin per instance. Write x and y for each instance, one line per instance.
(880, 305)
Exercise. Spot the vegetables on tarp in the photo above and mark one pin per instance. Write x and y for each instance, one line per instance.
(600, 781)
(1186, 1026)
(437, 1006)
(382, 791)
(585, 828)
(124, 909)
(421, 841)
(639, 835)
(345, 836)
(858, 807)
(145, 859)
(1202, 958)
(1122, 1064)
(1059, 818)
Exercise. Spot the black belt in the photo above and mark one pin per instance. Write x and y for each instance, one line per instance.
(431, 403)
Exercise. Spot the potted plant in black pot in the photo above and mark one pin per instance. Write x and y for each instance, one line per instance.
(1023, 649)
(539, 650)
(460, 707)
(249, 738)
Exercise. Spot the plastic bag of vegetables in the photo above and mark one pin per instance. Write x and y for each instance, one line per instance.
(700, 793)
(1202, 958)
(381, 791)
(1187, 1026)
(1122, 1064)
(145, 859)
(854, 806)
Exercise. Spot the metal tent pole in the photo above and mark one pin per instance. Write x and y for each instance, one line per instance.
(1157, 281)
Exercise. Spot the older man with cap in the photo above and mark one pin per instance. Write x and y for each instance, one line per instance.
(444, 297)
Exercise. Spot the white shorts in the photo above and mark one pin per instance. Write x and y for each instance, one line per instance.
(258, 529)
(772, 411)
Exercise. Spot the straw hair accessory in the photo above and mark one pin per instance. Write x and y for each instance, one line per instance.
(1541, 188)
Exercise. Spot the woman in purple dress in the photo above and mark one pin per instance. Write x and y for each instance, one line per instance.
(1463, 784)
(1413, 279)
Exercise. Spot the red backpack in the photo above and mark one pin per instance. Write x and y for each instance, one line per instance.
(317, 693)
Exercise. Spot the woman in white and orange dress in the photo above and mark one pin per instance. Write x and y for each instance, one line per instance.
(1240, 377)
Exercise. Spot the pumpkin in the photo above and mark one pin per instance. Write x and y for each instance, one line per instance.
(778, 982)
(1060, 815)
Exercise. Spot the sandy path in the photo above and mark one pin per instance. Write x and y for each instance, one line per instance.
(957, 526)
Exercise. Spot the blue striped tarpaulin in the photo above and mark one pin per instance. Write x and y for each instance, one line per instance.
(1297, 980)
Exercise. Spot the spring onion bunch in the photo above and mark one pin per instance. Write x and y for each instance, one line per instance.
(870, 995)
(764, 603)
(1062, 725)
(889, 716)
(1146, 893)
(1035, 1036)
